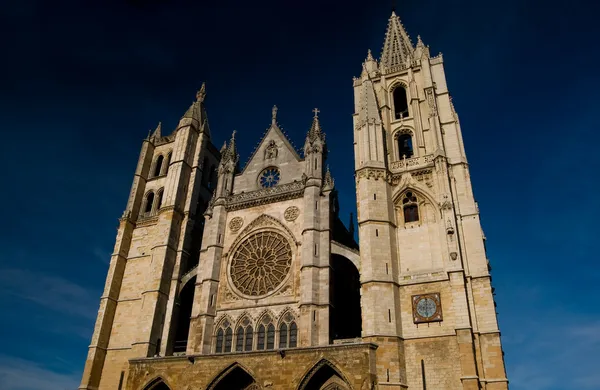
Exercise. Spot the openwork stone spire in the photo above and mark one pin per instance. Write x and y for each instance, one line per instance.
(397, 47)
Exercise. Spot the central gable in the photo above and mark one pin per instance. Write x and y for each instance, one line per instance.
(274, 151)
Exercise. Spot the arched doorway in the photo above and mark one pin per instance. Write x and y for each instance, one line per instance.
(157, 384)
(323, 376)
(345, 316)
(234, 378)
(184, 312)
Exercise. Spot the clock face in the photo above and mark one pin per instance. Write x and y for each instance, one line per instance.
(269, 177)
(426, 307)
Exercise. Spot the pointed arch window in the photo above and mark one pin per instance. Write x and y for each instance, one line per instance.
(158, 165)
(260, 344)
(159, 199)
(249, 335)
(293, 335)
(283, 336)
(149, 202)
(224, 338)
(288, 332)
(400, 102)
(410, 208)
(270, 336)
(244, 336)
(239, 343)
(266, 334)
(405, 146)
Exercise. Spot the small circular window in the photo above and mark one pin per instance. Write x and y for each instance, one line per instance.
(269, 177)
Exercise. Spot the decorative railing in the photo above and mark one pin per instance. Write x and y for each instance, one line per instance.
(410, 163)
(265, 195)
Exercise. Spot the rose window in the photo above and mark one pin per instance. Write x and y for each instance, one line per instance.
(261, 263)
(269, 177)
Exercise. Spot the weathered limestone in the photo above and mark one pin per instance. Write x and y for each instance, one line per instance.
(245, 277)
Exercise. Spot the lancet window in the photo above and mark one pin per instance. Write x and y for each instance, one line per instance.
(266, 334)
(244, 336)
(410, 207)
(400, 102)
(224, 337)
(288, 332)
(405, 146)
(158, 165)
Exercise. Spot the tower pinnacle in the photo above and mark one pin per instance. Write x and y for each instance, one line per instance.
(397, 47)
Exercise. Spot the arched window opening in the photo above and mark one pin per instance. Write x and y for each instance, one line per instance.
(288, 331)
(183, 316)
(239, 341)
(400, 102)
(219, 347)
(149, 202)
(249, 339)
(261, 338)
(228, 338)
(283, 336)
(410, 207)
(405, 146)
(345, 316)
(158, 166)
(224, 338)
(270, 336)
(293, 335)
(159, 199)
(167, 162)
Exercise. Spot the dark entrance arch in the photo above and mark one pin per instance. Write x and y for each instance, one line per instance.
(345, 316)
(234, 378)
(323, 376)
(184, 312)
(157, 384)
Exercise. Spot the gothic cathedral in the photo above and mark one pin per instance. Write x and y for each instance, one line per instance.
(226, 277)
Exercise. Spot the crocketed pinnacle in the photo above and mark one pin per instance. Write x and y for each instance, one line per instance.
(397, 47)
(315, 131)
(328, 182)
(229, 152)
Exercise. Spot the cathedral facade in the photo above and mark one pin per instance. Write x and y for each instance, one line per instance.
(226, 277)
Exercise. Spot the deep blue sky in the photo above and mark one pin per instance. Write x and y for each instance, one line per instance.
(81, 85)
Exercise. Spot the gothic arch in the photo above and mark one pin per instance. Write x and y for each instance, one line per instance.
(323, 373)
(157, 383)
(261, 222)
(280, 318)
(413, 185)
(234, 375)
(242, 317)
(263, 315)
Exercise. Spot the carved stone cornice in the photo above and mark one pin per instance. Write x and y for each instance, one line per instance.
(265, 195)
(373, 174)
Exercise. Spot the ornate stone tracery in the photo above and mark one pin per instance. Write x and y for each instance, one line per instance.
(261, 263)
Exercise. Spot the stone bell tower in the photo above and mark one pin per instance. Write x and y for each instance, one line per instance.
(426, 294)
(158, 241)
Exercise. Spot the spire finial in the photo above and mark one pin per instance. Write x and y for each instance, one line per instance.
(201, 94)
(274, 115)
(233, 135)
(316, 111)
(369, 55)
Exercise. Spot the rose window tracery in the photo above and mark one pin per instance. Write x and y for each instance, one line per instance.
(261, 263)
